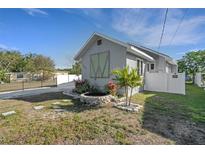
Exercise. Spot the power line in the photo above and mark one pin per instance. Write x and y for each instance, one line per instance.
(180, 22)
(165, 18)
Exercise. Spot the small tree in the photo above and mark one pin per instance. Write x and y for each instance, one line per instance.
(126, 79)
(122, 79)
(134, 81)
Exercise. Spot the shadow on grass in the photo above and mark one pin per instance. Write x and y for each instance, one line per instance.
(167, 116)
(44, 97)
(68, 103)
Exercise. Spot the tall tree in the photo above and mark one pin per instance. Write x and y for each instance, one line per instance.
(192, 63)
(76, 68)
(11, 61)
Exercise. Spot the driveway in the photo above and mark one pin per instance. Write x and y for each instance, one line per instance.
(36, 91)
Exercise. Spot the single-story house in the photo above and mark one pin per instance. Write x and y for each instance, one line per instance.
(102, 54)
(19, 76)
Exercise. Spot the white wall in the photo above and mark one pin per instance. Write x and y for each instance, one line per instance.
(65, 78)
(72, 77)
(62, 79)
(165, 82)
(117, 60)
(131, 61)
(198, 79)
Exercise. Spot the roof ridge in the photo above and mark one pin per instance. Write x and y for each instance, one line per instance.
(141, 46)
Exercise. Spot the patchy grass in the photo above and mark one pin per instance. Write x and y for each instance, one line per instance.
(79, 125)
(165, 119)
(178, 117)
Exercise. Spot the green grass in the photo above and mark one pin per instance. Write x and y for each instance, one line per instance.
(191, 105)
(164, 119)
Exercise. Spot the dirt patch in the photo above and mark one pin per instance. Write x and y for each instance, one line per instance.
(182, 131)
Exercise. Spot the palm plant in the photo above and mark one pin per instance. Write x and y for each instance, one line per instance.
(126, 79)
(122, 79)
(134, 81)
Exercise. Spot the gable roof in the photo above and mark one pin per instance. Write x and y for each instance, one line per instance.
(92, 37)
(131, 47)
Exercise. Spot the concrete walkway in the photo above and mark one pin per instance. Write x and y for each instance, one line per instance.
(36, 91)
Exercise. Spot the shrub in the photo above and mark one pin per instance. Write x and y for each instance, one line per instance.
(111, 87)
(94, 90)
(81, 86)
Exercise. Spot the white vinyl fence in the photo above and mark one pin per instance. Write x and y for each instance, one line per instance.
(165, 82)
(65, 78)
(198, 80)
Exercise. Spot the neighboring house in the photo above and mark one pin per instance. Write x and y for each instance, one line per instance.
(24, 76)
(19, 76)
(102, 54)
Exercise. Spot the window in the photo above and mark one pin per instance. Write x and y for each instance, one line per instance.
(138, 66)
(19, 75)
(147, 67)
(99, 42)
(99, 65)
(152, 66)
(141, 68)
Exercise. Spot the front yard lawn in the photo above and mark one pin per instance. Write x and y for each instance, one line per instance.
(165, 119)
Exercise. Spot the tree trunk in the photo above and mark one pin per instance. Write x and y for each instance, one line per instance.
(130, 96)
(126, 94)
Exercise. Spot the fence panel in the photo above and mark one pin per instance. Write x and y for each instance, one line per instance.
(165, 82)
(27, 85)
(11, 86)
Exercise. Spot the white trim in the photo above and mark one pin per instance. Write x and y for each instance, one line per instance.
(140, 53)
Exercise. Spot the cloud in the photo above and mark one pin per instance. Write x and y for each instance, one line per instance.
(89, 12)
(3, 46)
(145, 26)
(96, 15)
(33, 12)
(180, 53)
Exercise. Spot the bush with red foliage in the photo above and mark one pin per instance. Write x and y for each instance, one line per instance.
(112, 88)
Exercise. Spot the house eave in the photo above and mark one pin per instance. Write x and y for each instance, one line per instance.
(139, 53)
(83, 49)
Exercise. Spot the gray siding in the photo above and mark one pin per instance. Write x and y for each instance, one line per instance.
(117, 60)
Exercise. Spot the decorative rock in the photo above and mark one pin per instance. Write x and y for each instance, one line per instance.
(38, 107)
(56, 107)
(60, 110)
(132, 107)
(56, 103)
(96, 100)
(8, 113)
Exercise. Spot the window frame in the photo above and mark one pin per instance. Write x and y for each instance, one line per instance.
(151, 66)
(19, 75)
(101, 77)
(148, 67)
(99, 42)
(140, 67)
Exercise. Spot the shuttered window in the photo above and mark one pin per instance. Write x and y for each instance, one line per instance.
(99, 65)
